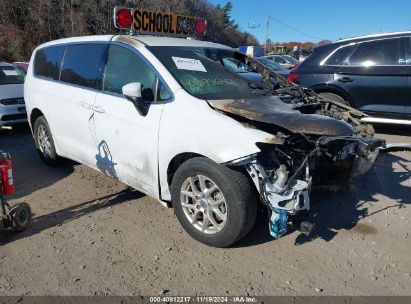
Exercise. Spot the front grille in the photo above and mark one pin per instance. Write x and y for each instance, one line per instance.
(13, 117)
(12, 101)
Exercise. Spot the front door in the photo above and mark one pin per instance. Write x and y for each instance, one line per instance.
(126, 141)
(375, 77)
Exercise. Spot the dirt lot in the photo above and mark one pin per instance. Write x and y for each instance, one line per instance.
(93, 236)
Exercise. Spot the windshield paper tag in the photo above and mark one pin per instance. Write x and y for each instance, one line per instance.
(10, 73)
(189, 64)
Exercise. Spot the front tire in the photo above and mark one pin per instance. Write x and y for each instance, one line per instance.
(216, 205)
(45, 143)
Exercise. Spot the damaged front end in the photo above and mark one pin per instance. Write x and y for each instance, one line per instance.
(320, 144)
(284, 175)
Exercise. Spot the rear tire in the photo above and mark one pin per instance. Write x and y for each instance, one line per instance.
(334, 97)
(218, 225)
(45, 143)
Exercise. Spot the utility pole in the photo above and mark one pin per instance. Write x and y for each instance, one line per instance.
(266, 35)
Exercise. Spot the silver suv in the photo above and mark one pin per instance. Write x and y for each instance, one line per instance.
(12, 107)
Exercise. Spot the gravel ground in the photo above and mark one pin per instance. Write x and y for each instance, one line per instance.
(93, 236)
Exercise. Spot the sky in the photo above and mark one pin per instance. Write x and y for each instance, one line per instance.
(314, 20)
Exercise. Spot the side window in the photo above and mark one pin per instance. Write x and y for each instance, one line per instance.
(381, 52)
(162, 93)
(338, 56)
(47, 62)
(123, 67)
(83, 64)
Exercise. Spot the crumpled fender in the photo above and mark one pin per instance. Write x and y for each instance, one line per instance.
(273, 110)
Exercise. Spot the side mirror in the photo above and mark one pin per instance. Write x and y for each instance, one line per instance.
(132, 91)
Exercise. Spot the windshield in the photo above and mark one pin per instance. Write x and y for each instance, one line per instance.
(202, 77)
(11, 75)
(270, 64)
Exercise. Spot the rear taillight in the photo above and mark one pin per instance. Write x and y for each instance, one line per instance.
(293, 77)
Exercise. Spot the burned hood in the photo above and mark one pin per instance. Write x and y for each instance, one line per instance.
(274, 110)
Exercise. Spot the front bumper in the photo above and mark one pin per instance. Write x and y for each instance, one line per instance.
(366, 154)
(288, 197)
(355, 156)
(12, 114)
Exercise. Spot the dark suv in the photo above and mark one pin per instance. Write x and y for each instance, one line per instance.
(370, 73)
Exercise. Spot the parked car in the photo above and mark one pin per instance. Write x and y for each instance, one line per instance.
(22, 66)
(155, 113)
(242, 69)
(292, 60)
(235, 62)
(370, 73)
(286, 62)
(12, 107)
(273, 66)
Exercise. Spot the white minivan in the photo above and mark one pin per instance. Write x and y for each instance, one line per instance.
(162, 117)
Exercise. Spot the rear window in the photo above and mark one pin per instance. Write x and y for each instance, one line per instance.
(338, 56)
(381, 52)
(83, 64)
(47, 62)
(10, 75)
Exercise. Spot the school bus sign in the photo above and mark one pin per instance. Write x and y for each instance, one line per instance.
(144, 21)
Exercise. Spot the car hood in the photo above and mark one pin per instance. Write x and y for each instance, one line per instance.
(11, 91)
(274, 110)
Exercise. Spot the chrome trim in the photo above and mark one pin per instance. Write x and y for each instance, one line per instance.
(375, 36)
(386, 120)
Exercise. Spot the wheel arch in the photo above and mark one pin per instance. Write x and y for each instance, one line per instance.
(35, 113)
(329, 88)
(177, 161)
(180, 159)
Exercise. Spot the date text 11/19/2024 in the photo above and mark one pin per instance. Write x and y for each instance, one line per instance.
(202, 299)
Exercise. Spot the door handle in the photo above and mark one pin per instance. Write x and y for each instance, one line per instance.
(345, 79)
(98, 109)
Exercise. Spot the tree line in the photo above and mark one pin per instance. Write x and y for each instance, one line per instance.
(24, 24)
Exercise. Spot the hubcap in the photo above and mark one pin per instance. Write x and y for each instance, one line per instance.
(44, 141)
(203, 204)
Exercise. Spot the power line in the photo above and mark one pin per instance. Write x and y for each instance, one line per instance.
(294, 29)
